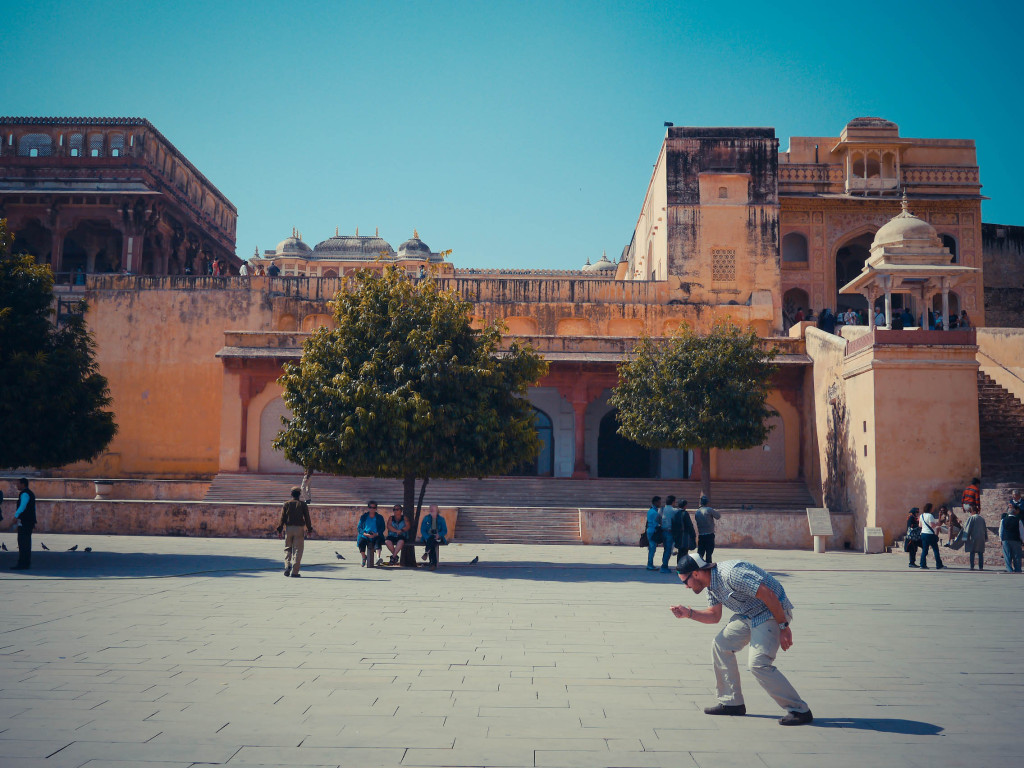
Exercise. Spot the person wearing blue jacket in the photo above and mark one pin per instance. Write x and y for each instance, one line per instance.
(653, 527)
(370, 533)
(434, 531)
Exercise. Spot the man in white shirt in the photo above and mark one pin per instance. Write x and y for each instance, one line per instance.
(929, 537)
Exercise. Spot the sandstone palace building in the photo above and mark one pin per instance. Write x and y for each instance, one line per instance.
(870, 422)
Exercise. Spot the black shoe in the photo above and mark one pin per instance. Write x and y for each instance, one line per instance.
(287, 571)
(912, 565)
(296, 575)
(797, 718)
(923, 566)
(18, 568)
(939, 567)
(734, 710)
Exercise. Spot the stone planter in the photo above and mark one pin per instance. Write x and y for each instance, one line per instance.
(103, 490)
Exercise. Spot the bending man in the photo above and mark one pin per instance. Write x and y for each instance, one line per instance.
(762, 613)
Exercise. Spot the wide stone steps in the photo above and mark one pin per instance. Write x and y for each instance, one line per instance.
(513, 492)
(1001, 429)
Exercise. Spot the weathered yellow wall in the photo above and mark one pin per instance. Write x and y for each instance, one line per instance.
(157, 347)
(911, 432)
(1001, 356)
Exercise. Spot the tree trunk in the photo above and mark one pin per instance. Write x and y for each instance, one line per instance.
(408, 557)
(705, 471)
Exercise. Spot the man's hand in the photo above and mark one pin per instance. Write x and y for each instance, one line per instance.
(681, 611)
(786, 638)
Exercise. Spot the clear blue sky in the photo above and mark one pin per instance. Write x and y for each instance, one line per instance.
(518, 134)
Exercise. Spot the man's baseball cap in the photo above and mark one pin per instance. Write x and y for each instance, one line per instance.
(692, 563)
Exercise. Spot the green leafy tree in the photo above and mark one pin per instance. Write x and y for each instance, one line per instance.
(697, 392)
(53, 400)
(406, 388)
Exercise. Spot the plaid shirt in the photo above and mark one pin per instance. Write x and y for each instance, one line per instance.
(734, 584)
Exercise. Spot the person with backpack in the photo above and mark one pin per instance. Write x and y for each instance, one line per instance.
(1011, 534)
(25, 522)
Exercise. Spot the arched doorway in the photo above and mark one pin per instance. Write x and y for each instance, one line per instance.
(34, 239)
(793, 300)
(272, 460)
(850, 260)
(544, 464)
(618, 456)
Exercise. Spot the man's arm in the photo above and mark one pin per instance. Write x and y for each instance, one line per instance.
(23, 505)
(771, 600)
(711, 615)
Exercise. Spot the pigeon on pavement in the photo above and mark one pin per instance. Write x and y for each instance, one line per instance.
(44, 546)
(339, 555)
(3, 546)
(87, 549)
(475, 560)
(73, 549)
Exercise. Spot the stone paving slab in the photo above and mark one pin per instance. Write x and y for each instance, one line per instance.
(179, 652)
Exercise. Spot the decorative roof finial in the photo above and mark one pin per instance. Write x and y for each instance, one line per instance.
(336, 231)
(906, 204)
(256, 253)
(357, 231)
(415, 233)
(604, 255)
(376, 231)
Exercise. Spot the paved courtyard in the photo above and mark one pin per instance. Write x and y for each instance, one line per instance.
(180, 652)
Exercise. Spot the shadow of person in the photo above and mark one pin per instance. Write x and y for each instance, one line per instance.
(881, 725)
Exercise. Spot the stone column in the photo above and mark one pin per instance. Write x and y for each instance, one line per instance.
(945, 303)
(57, 250)
(580, 470)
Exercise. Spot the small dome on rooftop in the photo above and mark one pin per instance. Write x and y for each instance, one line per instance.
(414, 248)
(292, 246)
(906, 228)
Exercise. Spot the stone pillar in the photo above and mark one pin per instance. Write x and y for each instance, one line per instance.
(945, 303)
(580, 470)
(57, 250)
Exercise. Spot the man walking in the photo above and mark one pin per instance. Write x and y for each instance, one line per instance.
(295, 524)
(705, 517)
(1011, 534)
(762, 613)
(929, 537)
(25, 522)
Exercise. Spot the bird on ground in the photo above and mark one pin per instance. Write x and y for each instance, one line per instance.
(338, 555)
(3, 546)
(44, 546)
(475, 560)
(73, 549)
(87, 549)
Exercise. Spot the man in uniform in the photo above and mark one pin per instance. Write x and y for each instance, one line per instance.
(24, 521)
(762, 614)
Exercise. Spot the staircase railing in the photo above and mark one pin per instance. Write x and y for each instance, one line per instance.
(1000, 365)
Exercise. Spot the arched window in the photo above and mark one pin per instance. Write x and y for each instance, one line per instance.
(76, 144)
(117, 145)
(950, 242)
(544, 465)
(35, 145)
(96, 145)
(794, 247)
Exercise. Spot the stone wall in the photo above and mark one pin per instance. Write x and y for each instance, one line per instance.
(162, 518)
(750, 530)
(1003, 252)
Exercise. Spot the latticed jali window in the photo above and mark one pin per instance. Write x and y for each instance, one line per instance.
(723, 265)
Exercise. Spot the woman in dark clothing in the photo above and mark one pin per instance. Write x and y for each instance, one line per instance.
(683, 532)
(913, 538)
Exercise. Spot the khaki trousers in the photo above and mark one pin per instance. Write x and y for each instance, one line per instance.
(294, 539)
(764, 645)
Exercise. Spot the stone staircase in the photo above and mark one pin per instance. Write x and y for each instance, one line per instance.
(518, 526)
(532, 493)
(1001, 427)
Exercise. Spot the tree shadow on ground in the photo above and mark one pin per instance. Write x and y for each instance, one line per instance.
(881, 725)
(93, 565)
(535, 570)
